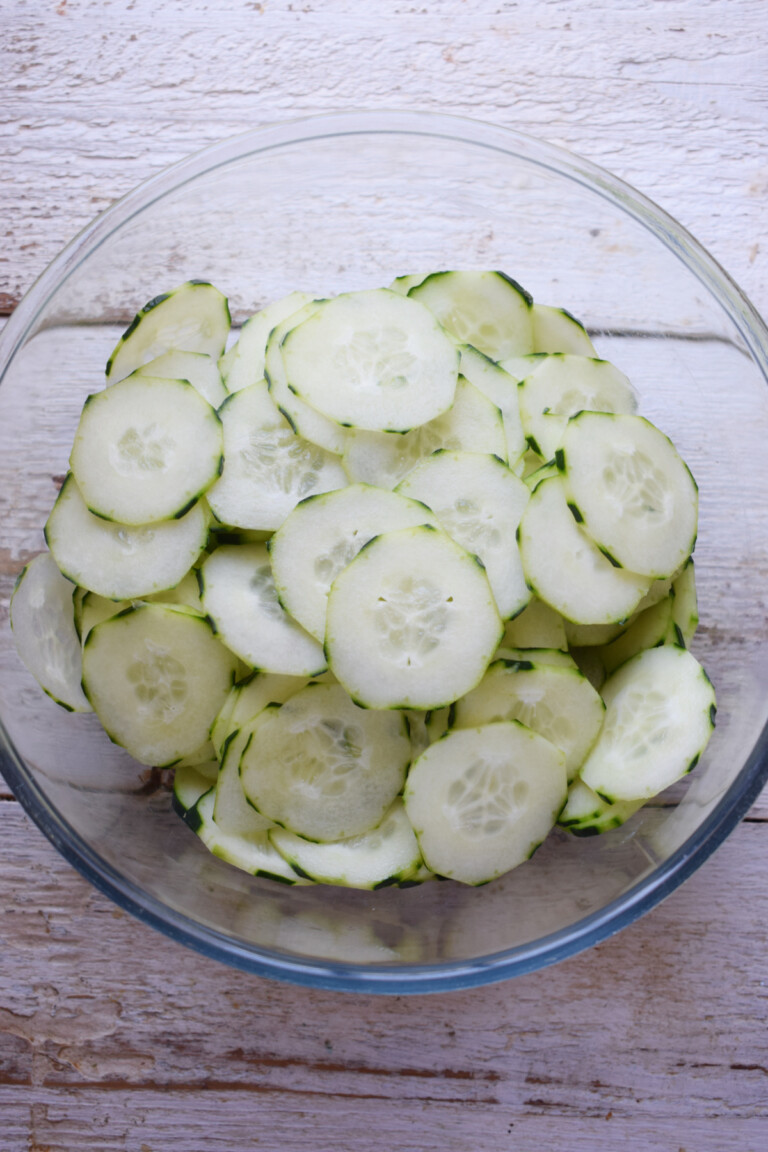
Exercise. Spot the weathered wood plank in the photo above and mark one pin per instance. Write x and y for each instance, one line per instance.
(97, 1004)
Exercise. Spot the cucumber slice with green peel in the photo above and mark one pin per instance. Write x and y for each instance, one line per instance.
(196, 368)
(98, 608)
(268, 469)
(501, 389)
(628, 486)
(473, 424)
(373, 360)
(537, 626)
(563, 385)
(531, 656)
(564, 568)
(123, 561)
(146, 450)
(239, 596)
(376, 859)
(593, 635)
(479, 502)
(305, 420)
(685, 609)
(203, 760)
(322, 767)
(245, 359)
(587, 814)
(555, 330)
(659, 590)
(481, 800)
(43, 626)
(192, 318)
(403, 284)
(660, 712)
(251, 852)
(543, 472)
(250, 697)
(411, 622)
(231, 811)
(558, 703)
(156, 676)
(186, 592)
(188, 787)
(323, 534)
(649, 628)
(488, 310)
(521, 367)
(77, 604)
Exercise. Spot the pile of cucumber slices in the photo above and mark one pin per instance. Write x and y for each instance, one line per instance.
(396, 583)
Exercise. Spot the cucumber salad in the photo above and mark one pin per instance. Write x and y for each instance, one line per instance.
(396, 583)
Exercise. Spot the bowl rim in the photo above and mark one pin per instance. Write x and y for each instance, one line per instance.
(646, 892)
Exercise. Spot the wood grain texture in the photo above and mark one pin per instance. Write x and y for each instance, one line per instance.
(117, 1033)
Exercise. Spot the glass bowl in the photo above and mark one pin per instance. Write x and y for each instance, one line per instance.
(344, 202)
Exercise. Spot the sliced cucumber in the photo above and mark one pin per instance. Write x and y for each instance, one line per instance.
(196, 368)
(372, 360)
(323, 534)
(403, 284)
(188, 786)
(305, 420)
(587, 814)
(473, 424)
(634, 495)
(593, 635)
(564, 568)
(376, 859)
(251, 852)
(43, 625)
(481, 800)
(501, 389)
(231, 811)
(322, 767)
(248, 698)
(146, 450)
(563, 385)
(555, 330)
(660, 712)
(411, 622)
(685, 609)
(238, 594)
(191, 318)
(267, 468)
(156, 676)
(479, 502)
(537, 626)
(123, 561)
(245, 359)
(485, 309)
(558, 703)
(649, 628)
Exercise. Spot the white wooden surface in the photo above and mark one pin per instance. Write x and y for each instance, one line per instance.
(112, 1037)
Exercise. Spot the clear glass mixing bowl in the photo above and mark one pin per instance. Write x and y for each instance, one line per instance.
(350, 201)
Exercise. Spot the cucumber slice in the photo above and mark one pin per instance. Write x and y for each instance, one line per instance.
(563, 385)
(660, 712)
(245, 359)
(196, 368)
(251, 852)
(77, 602)
(634, 495)
(305, 420)
(372, 360)
(123, 561)
(685, 609)
(43, 625)
(479, 502)
(267, 467)
(248, 698)
(403, 284)
(323, 534)
(558, 703)
(376, 859)
(485, 309)
(537, 626)
(98, 608)
(322, 767)
(238, 594)
(156, 676)
(587, 814)
(473, 424)
(648, 629)
(501, 389)
(564, 568)
(555, 330)
(481, 800)
(231, 811)
(146, 450)
(192, 318)
(411, 622)
(188, 786)
(593, 635)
